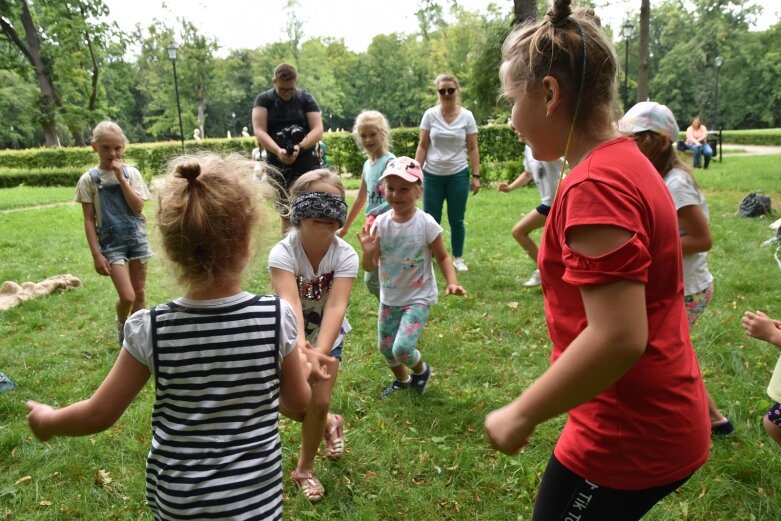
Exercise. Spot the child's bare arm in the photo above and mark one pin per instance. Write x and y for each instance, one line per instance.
(134, 201)
(446, 266)
(360, 201)
(522, 180)
(294, 391)
(759, 325)
(97, 413)
(102, 266)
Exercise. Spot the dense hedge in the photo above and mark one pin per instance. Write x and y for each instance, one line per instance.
(47, 166)
(12, 177)
(500, 154)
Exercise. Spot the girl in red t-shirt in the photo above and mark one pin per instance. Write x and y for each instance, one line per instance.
(623, 367)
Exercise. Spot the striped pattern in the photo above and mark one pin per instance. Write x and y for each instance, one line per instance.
(216, 452)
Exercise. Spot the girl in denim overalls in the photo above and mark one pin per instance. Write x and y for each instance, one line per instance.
(112, 197)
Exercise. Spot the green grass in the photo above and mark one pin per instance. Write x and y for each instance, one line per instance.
(22, 196)
(410, 457)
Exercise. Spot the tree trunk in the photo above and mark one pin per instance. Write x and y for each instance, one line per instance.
(524, 11)
(644, 58)
(31, 49)
(42, 74)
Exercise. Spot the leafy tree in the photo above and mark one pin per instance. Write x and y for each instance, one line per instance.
(64, 45)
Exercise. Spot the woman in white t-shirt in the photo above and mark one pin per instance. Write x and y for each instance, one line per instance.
(447, 149)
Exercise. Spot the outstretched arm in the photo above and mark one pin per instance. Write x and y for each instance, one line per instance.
(759, 325)
(522, 180)
(97, 413)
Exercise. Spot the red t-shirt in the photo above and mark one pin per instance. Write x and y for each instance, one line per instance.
(651, 427)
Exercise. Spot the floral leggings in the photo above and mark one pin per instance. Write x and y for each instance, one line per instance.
(399, 328)
(696, 304)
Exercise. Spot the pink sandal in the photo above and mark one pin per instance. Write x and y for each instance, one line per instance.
(334, 439)
(309, 486)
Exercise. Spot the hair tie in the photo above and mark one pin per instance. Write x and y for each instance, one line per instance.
(560, 22)
(189, 171)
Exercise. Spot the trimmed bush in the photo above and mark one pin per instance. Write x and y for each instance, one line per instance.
(10, 178)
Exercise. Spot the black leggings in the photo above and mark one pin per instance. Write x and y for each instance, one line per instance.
(565, 496)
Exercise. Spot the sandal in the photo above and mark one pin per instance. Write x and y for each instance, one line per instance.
(309, 486)
(334, 439)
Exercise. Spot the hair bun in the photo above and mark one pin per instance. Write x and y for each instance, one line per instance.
(189, 171)
(559, 12)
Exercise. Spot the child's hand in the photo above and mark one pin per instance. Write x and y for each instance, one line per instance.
(506, 431)
(116, 166)
(317, 364)
(370, 244)
(455, 289)
(759, 325)
(38, 419)
(102, 266)
(504, 187)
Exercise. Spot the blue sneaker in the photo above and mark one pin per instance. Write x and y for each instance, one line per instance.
(722, 427)
(394, 386)
(420, 381)
(5, 383)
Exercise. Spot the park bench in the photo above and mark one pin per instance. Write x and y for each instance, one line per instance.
(714, 140)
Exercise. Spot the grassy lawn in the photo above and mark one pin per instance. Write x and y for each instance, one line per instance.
(23, 196)
(410, 457)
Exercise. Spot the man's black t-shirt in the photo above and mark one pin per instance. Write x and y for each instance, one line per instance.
(282, 114)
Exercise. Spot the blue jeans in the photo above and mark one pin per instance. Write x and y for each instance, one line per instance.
(455, 190)
(699, 151)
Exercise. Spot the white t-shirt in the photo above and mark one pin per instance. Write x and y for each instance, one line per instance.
(774, 388)
(406, 268)
(340, 261)
(446, 154)
(696, 276)
(87, 190)
(138, 327)
(545, 174)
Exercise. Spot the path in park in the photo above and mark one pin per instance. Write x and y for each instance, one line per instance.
(740, 150)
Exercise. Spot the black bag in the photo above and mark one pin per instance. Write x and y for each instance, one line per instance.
(754, 205)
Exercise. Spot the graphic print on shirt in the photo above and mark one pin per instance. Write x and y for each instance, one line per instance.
(403, 262)
(314, 294)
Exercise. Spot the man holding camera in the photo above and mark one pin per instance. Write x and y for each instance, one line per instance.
(288, 125)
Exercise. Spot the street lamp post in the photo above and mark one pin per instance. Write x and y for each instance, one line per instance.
(719, 62)
(172, 57)
(627, 29)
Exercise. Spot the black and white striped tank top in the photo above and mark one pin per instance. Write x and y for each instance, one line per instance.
(216, 451)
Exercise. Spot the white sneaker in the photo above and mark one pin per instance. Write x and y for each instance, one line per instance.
(459, 265)
(534, 280)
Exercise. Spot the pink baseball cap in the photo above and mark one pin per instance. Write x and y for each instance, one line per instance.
(404, 167)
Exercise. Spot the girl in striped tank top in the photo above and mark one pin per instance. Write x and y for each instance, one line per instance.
(223, 360)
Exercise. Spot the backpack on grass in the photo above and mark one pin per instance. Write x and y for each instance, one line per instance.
(755, 204)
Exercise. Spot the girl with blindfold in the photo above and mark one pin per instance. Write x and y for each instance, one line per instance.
(314, 270)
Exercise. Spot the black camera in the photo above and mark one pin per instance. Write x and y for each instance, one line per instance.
(289, 137)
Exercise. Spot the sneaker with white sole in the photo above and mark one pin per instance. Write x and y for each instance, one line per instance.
(460, 265)
(394, 386)
(534, 280)
(420, 381)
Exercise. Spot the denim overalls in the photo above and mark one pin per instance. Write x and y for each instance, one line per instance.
(122, 234)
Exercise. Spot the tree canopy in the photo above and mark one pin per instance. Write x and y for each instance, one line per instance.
(64, 67)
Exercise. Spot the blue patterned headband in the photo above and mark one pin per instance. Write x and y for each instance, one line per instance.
(318, 205)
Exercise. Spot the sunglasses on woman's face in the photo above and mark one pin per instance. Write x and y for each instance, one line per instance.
(449, 90)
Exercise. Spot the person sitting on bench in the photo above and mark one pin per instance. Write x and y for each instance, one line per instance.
(697, 142)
